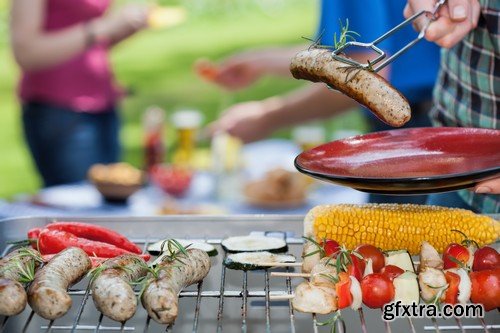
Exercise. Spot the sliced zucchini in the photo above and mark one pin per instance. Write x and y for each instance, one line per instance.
(155, 248)
(401, 259)
(247, 261)
(406, 288)
(254, 244)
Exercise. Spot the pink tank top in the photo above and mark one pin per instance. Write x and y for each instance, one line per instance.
(84, 83)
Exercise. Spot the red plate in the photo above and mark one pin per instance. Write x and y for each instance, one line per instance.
(407, 161)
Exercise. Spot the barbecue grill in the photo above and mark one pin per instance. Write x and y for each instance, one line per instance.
(227, 300)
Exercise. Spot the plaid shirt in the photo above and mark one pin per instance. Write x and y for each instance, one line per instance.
(467, 93)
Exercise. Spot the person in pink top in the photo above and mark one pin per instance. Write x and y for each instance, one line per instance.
(67, 89)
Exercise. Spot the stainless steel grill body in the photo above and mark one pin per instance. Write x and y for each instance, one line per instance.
(227, 300)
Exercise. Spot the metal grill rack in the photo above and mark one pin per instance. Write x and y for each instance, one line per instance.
(227, 300)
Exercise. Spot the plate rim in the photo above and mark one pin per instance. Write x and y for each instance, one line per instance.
(407, 180)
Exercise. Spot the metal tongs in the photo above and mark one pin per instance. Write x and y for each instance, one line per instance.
(336, 54)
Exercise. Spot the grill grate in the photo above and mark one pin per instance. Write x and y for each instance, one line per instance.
(82, 323)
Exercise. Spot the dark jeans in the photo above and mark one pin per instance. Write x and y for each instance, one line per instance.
(419, 118)
(64, 143)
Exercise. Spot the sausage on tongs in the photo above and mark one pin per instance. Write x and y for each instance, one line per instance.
(48, 295)
(161, 294)
(16, 268)
(365, 86)
(111, 286)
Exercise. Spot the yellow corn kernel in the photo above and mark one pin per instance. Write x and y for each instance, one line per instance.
(393, 226)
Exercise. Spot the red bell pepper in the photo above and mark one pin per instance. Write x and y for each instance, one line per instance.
(33, 235)
(451, 294)
(96, 233)
(54, 241)
(343, 289)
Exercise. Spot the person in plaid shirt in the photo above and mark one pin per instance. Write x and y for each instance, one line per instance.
(468, 87)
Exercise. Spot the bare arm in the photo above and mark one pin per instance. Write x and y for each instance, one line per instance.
(251, 121)
(35, 49)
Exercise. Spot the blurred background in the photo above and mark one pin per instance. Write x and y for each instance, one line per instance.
(157, 68)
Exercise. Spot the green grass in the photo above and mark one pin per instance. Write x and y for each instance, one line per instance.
(156, 65)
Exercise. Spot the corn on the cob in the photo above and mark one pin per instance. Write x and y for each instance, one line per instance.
(392, 226)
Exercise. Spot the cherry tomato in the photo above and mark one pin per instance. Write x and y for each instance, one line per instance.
(343, 290)
(486, 258)
(331, 248)
(486, 288)
(371, 252)
(377, 290)
(391, 271)
(451, 294)
(455, 251)
(357, 267)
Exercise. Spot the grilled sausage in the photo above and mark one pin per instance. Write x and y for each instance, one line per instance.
(48, 295)
(161, 296)
(13, 297)
(111, 289)
(364, 86)
(12, 292)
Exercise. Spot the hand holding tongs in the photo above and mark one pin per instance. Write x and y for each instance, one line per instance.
(381, 54)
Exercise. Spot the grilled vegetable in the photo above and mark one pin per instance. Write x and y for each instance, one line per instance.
(16, 269)
(406, 288)
(55, 241)
(401, 259)
(486, 288)
(455, 255)
(252, 260)
(391, 271)
(156, 248)
(111, 289)
(254, 244)
(369, 251)
(362, 85)
(161, 293)
(97, 233)
(377, 290)
(486, 258)
(48, 295)
(392, 226)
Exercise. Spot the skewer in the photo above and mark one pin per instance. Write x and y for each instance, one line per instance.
(284, 297)
(280, 264)
(290, 274)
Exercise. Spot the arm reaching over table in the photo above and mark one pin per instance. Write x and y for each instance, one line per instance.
(362, 85)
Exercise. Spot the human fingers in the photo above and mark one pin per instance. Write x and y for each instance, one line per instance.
(488, 187)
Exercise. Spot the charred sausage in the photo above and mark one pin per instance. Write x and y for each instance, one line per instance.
(362, 85)
(160, 298)
(48, 295)
(111, 290)
(12, 294)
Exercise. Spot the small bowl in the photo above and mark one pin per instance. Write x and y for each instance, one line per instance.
(117, 193)
(173, 180)
(116, 182)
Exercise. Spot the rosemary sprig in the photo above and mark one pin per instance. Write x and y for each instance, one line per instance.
(346, 35)
(25, 270)
(319, 248)
(174, 250)
(330, 277)
(334, 321)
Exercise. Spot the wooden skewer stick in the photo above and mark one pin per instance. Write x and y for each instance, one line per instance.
(287, 274)
(280, 264)
(284, 297)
